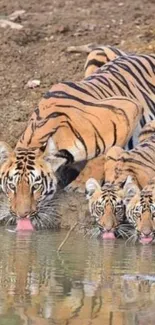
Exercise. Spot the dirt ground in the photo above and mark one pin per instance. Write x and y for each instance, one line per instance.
(38, 50)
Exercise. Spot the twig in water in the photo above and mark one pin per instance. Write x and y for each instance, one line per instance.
(67, 236)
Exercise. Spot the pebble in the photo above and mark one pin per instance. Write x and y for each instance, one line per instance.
(33, 83)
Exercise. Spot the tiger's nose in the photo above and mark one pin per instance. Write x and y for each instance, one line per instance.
(109, 227)
(147, 232)
(23, 214)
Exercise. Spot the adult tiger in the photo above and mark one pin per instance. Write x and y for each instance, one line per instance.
(107, 202)
(78, 121)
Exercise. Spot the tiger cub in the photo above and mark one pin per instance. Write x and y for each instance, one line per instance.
(108, 203)
(107, 208)
(140, 210)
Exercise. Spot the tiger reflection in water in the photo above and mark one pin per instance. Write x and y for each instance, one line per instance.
(52, 293)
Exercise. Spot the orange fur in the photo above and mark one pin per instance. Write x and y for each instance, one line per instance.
(138, 162)
(80, 121)
(140, 209)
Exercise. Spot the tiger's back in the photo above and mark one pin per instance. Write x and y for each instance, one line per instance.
(130, 76)
(138, 162)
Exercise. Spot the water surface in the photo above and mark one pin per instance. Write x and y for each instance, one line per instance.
(88, 283)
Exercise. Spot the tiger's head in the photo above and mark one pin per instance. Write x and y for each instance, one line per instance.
(27, 176)
(140, 210)
(107, 207)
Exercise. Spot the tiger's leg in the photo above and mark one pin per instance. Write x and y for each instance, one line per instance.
(94, 168)
(101, 168)
(97, 56)
(111, 162)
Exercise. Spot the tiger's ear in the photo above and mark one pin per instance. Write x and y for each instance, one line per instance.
(91, 186)
(130, 189)
(50, 154)
(5, 151)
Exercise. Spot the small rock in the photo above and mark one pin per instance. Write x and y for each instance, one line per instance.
(63, 29)
(122, 42)
(33, 83)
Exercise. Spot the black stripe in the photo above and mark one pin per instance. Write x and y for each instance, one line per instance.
(100, 89)
(105, 92)
(97, 148)
(148, 58)
(102, 79)
(127, 68)
(142, 121)
(117, 51)
(122, 79)
(98, 134)
(92, 86)
(104, 55)
(51, 133)
(95, 62)
(63, 153)
(30, 167)
(78, 88)
(119, 88)
(78, 136)
(57, 114)
(143, 65)
(142, 155)
(130, 144)
(149, 101)
(79, 109)
(114, 133)
(37, 111)
(68, 96)
(139, 71)
(149, 132)
(136, 162)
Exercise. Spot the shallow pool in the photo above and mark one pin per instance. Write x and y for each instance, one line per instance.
(89, 282)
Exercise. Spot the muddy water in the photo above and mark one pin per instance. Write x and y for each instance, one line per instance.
(89, 282)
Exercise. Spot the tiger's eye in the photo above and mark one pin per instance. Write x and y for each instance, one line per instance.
(36, 186)
(11, 186)
(138, 214)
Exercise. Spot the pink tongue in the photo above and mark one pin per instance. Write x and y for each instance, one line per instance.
(24, 224)
(145, 240)
(108, 235)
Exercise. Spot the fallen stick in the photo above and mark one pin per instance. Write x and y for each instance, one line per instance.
(67, 236)
(87, 48)
(4, 23)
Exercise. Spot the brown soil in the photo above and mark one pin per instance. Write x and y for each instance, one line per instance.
(38, 51)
